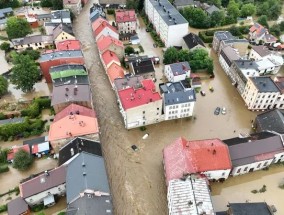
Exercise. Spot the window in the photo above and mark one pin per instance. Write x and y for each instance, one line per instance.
(143, 112)
(239, 170)
(246, 169)
(158, 108)
(265, 164)
(258, 165)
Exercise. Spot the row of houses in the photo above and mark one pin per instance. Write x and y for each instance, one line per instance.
(249, 70)
(188, 174)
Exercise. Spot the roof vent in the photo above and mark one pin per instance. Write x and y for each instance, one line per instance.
(84, 174)
(83, 165)
(72, 151)
(46, 173)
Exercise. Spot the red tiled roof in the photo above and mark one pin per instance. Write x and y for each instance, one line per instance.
(255, 27)
(73, 108)
(13, 151)
(68, 45)
(97, 23)
(43, 182)
(131, 97)
(102, 26)
(109, 56)
(197, 156)
(115, 71)
(125, 16)
(105, 41)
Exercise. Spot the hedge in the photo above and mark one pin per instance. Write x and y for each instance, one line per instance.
(3, 208)
(2, 116)
(37, 208)
(4, 168)
(36, 107)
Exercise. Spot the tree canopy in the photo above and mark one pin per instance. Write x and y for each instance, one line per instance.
(263, 21)
(17, 27)
(5, 46)
(57, 4)
(129, 50)
(270, 8)
(217, 18)
(9, 3)
(233, 9)
(25, 72)
(248, 10)
(22, 160)
(3, 85)
(46, 3)
(196, 17)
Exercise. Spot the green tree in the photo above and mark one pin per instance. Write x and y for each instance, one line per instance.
(25, 72)
(140, 5)
(22, 160)
(46, 3)
(9, 3)
(275, 30)
(199, 59)
(196, 17)
(281, 26)
(57, 4)
(17, 27)
(5, 46)
(129, 50)
(233, 9)
(132, 4)
(217, 18)
(217, 3)
(263, 21)
(248, 10)
(171, 55)
(3, 85)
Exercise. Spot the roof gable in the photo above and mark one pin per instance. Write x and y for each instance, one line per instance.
(104, 42)
(192, 40)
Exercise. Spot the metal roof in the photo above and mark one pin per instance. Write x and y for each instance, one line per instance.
(60, 54)
(264, 84)
(272, 120)
(255, 208)
(223, 35)
(179, 68)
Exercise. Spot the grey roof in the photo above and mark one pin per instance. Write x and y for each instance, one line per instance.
(212, 9)
(60, 54)
(223, 35)
(12, 120)
(3, 21)
(165, 8)
(66, 67)
(44, 16)
(130, 59)
(96, 205)
(175, 93)
(33, 39)
(270, 38)
(62, 28)
(4, 11)
(135, 37)
(272, 120)
(143, 66)
(192, 40)
(96, 13)
(183, 2)
(180, 68)
(78, 145)
(60, 14)
(35, 141)
(71, 80)
(236, 40)
(229, 54)
(261, 50)
(17, 206)
(264, 84)
(253, 149)
(132, 81)
(86, 171)
(255, 208)
(246, 64)
(60, 95)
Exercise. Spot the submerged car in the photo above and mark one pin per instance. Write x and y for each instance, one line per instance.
(224, 111)
(217, 111)
(202, 93)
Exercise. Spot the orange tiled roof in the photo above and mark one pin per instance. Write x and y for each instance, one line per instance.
(105, 41)
(115, 71)
(109, 56)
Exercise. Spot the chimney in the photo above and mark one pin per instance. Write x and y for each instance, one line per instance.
(66, 88)
(214, 152)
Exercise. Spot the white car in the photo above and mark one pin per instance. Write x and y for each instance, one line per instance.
(224, 111)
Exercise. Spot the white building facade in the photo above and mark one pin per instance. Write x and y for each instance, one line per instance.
(169, 24)
(177, 71)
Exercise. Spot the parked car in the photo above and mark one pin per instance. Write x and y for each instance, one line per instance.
(202, 93)
(224, 111)
(217, 111)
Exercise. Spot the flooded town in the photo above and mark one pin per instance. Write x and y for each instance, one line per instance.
(116, 115)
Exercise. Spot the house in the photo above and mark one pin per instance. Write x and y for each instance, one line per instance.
(34, 42)
(259, 52)
(105, 43)
(279, 82)
(192, 41)
(144, 67)
(11, 153)
(64, 95)
(67, 45)
(38, 146)
(185, 194)
(134, 58)
(113, 72)
(220, 36)
(178, 101)
(127, 82)
(12, 120)
(63, 32)
(255, 152)
(180, 4)
(211, 10)
(226, 58)
(271, 120)
(108, 58)
(67, 70)
(57, 16)
(260, 93)
(102, 27)
(134, 40)
(251, 208)
(73, 5)
(55, 58)
(73, 124)
(87, 187)
(167, 21)
(176, 72)
(209, 157)
(140, 106)
(18, 207)
(45, 187)
(126, 21)
(4, 13)
(72, 149)
(260, 35)
(96, 11)
(239, 72)
(239, 44)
